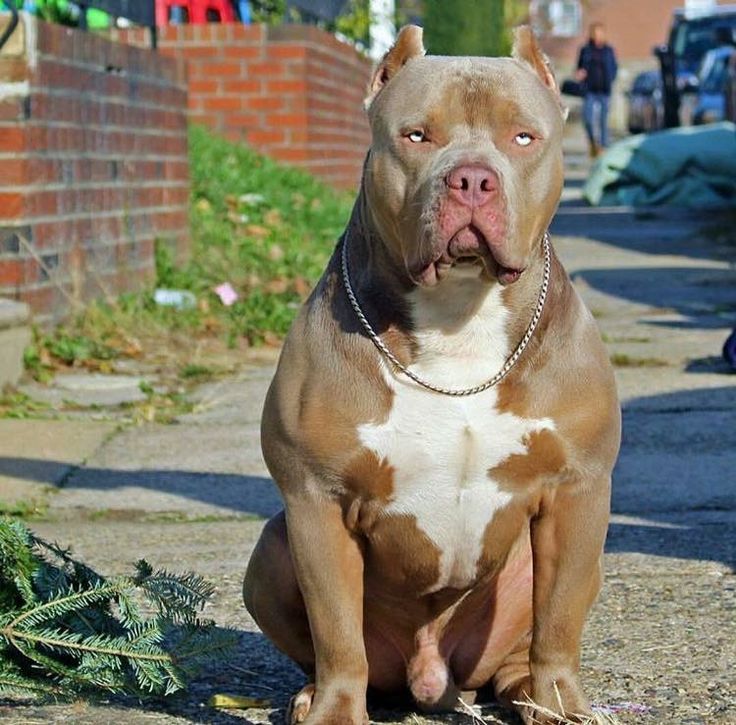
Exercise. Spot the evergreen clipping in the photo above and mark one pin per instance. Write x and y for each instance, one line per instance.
(66, 631)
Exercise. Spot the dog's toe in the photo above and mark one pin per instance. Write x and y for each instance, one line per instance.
(300, 705)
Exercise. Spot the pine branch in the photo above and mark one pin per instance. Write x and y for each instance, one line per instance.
(61, 619)
(62, 605)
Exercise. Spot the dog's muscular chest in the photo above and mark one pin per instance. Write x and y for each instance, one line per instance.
(442, 451)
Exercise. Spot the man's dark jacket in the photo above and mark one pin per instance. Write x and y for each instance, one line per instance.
(599, 62)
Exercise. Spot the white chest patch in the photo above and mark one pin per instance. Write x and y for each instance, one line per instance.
(442, 448)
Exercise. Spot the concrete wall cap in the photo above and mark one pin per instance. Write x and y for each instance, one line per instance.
(13, 314)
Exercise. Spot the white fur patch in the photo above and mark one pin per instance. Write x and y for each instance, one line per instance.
(441, 448)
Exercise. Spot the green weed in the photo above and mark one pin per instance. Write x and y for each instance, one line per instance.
(267, 229)
(14, 404)
(622, 360)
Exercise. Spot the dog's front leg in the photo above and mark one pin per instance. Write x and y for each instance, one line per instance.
(567, 546)
(328, 564)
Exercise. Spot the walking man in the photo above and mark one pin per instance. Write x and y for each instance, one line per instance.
(596, 70)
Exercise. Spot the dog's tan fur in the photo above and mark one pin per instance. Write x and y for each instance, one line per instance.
(356, 589)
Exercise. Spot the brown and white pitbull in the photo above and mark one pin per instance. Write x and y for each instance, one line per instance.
(441, 543)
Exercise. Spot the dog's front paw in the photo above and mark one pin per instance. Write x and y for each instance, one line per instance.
(554, 700)
(334, 707)
(300, 705)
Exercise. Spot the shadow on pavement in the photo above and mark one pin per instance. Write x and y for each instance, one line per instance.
(703, 295)
(660, 230)
(676, 477)
(244, 494)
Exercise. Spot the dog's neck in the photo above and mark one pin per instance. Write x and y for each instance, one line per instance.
(466, 303)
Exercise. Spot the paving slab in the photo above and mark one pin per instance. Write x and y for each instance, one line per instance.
(88, 389)
(195, 470)
(38, 454)
(15, 335)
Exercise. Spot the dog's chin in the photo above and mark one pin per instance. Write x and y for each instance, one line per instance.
(467, 252)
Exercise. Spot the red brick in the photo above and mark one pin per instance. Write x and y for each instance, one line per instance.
(13, 172)
(202, 86)
(12, 139)
(266, 69)
(216, 69)
(252, 120)
(41, 299)
(11, 272)
(290, 154)
(258, 138)
(241, 86)
(280, 86)
(287, 119)
(11, 205)
(242, 51)
(253, 33)
(264, 103)
(287, 51)
(222, 103)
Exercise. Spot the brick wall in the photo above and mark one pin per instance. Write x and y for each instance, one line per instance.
(633, 27)
(93, 165)
(293, 92)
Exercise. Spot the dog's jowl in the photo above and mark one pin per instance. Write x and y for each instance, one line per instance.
(443, 421)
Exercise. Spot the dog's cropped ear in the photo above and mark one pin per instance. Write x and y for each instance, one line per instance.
(528, 51)
(408, 45)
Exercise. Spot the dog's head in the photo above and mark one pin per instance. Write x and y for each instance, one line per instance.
(465, 164)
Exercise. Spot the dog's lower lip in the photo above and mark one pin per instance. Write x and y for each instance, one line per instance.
(506, 275)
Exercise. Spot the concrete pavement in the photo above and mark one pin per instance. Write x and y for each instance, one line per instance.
(194, 494)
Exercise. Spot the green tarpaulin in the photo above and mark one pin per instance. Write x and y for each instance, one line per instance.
(687, 167)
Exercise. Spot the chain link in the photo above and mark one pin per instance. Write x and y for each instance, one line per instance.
(500, 375)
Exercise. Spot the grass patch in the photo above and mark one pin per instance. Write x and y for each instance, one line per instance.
(26, 510)
(159, 406)
(622, 360)
(266, 229)
(14, 404)
(623, 339)
(165, 517)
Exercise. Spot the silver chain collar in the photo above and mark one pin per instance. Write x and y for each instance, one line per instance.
(500, 375)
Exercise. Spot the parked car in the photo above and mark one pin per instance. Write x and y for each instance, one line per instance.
(710, 106)
(690, 38)
(646, 110)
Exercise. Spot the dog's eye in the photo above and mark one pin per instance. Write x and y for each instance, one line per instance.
(416, 136)
(523, 139)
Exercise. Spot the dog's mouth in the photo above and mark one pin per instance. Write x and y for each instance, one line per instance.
(467, 249)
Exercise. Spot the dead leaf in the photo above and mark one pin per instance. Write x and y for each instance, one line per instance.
(252, 281)
(271, 339)
(273, 218)
(302, 287)
(257, 231)
(237, 218)
(275, 253)
(277, 285)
